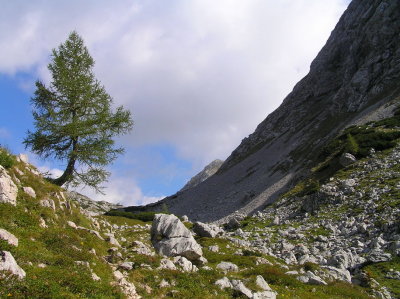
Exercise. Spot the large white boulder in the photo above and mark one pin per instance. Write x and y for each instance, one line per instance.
(8, 237)
(171, 238)
(8, 190)
(8, 263)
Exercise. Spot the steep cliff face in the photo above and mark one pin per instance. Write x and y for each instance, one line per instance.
(355, 77)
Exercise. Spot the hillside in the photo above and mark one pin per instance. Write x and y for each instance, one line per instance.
(298, 248)
(353, 80)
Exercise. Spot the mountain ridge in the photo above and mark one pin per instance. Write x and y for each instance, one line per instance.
(355, 74)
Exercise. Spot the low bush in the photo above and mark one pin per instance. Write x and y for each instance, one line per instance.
(6, 159)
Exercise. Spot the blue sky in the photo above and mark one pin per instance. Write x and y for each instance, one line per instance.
(197, 75)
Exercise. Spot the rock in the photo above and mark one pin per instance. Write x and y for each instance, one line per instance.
(95, 277)
(8, 263)
(72, 224)
(202, 261)
(48, 203)
(207, 230)
(8, 237)
(264, 295)
(185, 264)
(42, 223)
(110, 238)
(171, 238)
(348, 183)
(294, 272)
(126, 266)
(260, 282)
(208, 171)
(338, 274)
(233, 223)
(377, 256)
(223, 283)
(141, 248)
(126, 287)
(8, 190)
(166, 264)
(240, 287)
(164, 284)
(22, 158)
(29, 191)
(227, 267)
(213, 248)
(347, 159)
(185, 218)
(314, 279)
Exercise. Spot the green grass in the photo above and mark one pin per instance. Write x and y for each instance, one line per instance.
(378, 271)
(6, 159)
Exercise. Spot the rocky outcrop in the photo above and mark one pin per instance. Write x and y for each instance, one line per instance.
(8, 190)
(171, 238)
(207, 230)
(8, 265)
(91, 207)
(8, 237)
(208, 171)
(354, 75)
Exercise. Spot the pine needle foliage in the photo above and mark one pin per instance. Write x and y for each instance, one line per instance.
(73, 117)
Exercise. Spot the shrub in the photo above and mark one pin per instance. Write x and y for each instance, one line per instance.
(6, 159)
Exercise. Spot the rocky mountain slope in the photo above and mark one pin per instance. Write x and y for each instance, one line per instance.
(337, 240)
(354, 79)
(208, 171)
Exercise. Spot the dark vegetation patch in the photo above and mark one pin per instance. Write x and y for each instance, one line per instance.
(6, 159)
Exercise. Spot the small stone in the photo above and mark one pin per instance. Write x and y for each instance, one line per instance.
(126, 266)
(29, 191)
(72, 224)
(164, 284)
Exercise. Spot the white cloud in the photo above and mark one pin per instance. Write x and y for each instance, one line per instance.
(120, 190)
(198, 75)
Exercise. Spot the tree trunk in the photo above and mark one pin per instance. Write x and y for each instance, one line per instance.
(68, 173)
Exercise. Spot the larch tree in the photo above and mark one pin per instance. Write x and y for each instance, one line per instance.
(73, 117)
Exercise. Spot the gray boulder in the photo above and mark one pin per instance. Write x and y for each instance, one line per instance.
(171, 238)
(8, 263)
(239, 286)
(8, 190)
(347, 159)
(227, 267)
(207, 230)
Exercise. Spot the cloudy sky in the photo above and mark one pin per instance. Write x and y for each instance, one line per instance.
(197, 75)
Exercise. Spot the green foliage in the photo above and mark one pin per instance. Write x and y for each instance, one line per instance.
(6, 159)
(308, 266)
(379, 272)
(73, 117)
(351, 145)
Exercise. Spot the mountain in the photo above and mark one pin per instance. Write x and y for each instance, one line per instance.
(342, 241)
(208, 171)
(354, 79)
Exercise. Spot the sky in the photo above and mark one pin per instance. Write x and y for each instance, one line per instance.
(197, 75)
